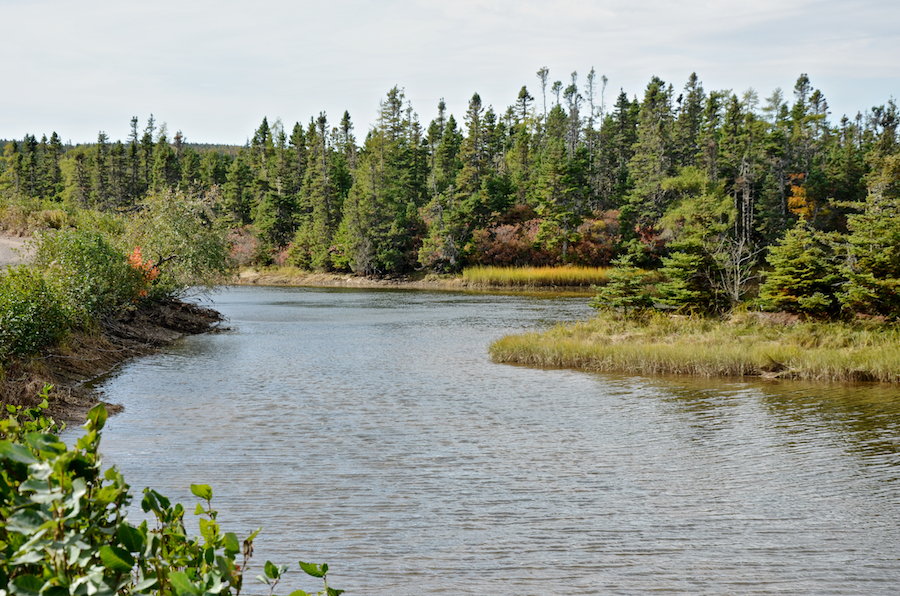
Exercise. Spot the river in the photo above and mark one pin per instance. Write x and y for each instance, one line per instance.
(369, 430)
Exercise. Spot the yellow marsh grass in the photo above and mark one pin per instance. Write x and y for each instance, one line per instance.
(741, 346)
(535, 277)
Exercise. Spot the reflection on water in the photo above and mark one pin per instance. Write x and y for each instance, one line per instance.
(370, 430)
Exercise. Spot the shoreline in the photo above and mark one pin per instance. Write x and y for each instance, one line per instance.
(287, 277)
(83, 356)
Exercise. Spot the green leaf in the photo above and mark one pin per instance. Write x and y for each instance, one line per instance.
(313, 569)
(182, 584)
(97, 417)
(299, 593)
(272, 570)
(131, 538)
(231, 542)
(116, 559)
(143, 585)
(26, 585)
(18, 453)
(204, 491)
(199, 510)
(46, 443)
(333, 592)
(25, 521)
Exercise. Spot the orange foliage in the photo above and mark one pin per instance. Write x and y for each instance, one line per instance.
(799, 203)
(146, 268)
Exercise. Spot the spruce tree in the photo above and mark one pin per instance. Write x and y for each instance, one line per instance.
(802, 278)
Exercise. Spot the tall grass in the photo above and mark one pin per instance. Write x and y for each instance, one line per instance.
(535, 277)
(743, 345)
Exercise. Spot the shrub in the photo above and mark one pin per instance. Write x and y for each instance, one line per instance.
(183, 240)
(89, 274)
(63, 528)
(31, 313)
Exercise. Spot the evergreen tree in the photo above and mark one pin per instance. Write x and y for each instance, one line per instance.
(237, 196)
(100, 192)
(802, 278)
(873, 245)
(626, 288)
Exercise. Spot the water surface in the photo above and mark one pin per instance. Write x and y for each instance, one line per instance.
(369, 430)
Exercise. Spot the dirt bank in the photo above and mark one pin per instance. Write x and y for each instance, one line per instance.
(86, 355)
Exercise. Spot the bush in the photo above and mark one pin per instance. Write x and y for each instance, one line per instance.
(32, 315)
(182, 239)
(63, 528)
(91, 276)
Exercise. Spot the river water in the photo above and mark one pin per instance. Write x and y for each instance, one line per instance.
(369, 430)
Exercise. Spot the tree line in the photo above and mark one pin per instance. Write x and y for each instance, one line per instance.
(695, 184)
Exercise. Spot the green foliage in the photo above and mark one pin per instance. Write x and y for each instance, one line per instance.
(181, 237)
(90, 276)
(873, 246)
(63, 529)
(31, 313)
(687, 285)
(626, 288)
(802, 278)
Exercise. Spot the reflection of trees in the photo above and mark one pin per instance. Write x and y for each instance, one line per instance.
(864, 417)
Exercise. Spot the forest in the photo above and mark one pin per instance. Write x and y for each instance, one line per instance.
(703, 199)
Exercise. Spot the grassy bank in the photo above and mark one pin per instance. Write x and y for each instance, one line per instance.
(536, 277)
(747, 344)
(556, 280)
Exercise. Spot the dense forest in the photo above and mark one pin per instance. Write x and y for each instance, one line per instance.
(704, 188)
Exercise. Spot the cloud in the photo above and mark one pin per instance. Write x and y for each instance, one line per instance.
(214, 69)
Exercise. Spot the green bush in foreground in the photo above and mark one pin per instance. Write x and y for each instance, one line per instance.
(63, 530)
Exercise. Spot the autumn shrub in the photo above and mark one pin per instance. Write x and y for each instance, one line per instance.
(512, 245)
(598, 238)
(242, 246)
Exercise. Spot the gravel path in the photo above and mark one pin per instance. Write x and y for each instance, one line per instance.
(8, 254)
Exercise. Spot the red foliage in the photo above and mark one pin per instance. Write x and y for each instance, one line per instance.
(599, 237)
(244, 246)
(509, 245)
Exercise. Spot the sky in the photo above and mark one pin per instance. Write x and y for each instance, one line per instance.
(214, 68)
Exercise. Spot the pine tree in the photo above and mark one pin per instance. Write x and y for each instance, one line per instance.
(626, 288)
(100, 192)
(237, 197)
(802, 277)
(652, 161)
(873, 245)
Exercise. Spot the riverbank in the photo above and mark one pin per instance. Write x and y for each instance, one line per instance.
(745, 345)
(292, 277)
(82, 356)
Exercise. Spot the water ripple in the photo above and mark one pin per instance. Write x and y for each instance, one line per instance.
(370, 430)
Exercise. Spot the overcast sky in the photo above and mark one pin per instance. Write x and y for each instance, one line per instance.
(214, 68)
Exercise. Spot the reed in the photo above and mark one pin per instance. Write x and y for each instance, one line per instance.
(535, 277)
(740, 346)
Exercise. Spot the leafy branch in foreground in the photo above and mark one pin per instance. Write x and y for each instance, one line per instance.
(63, 529)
